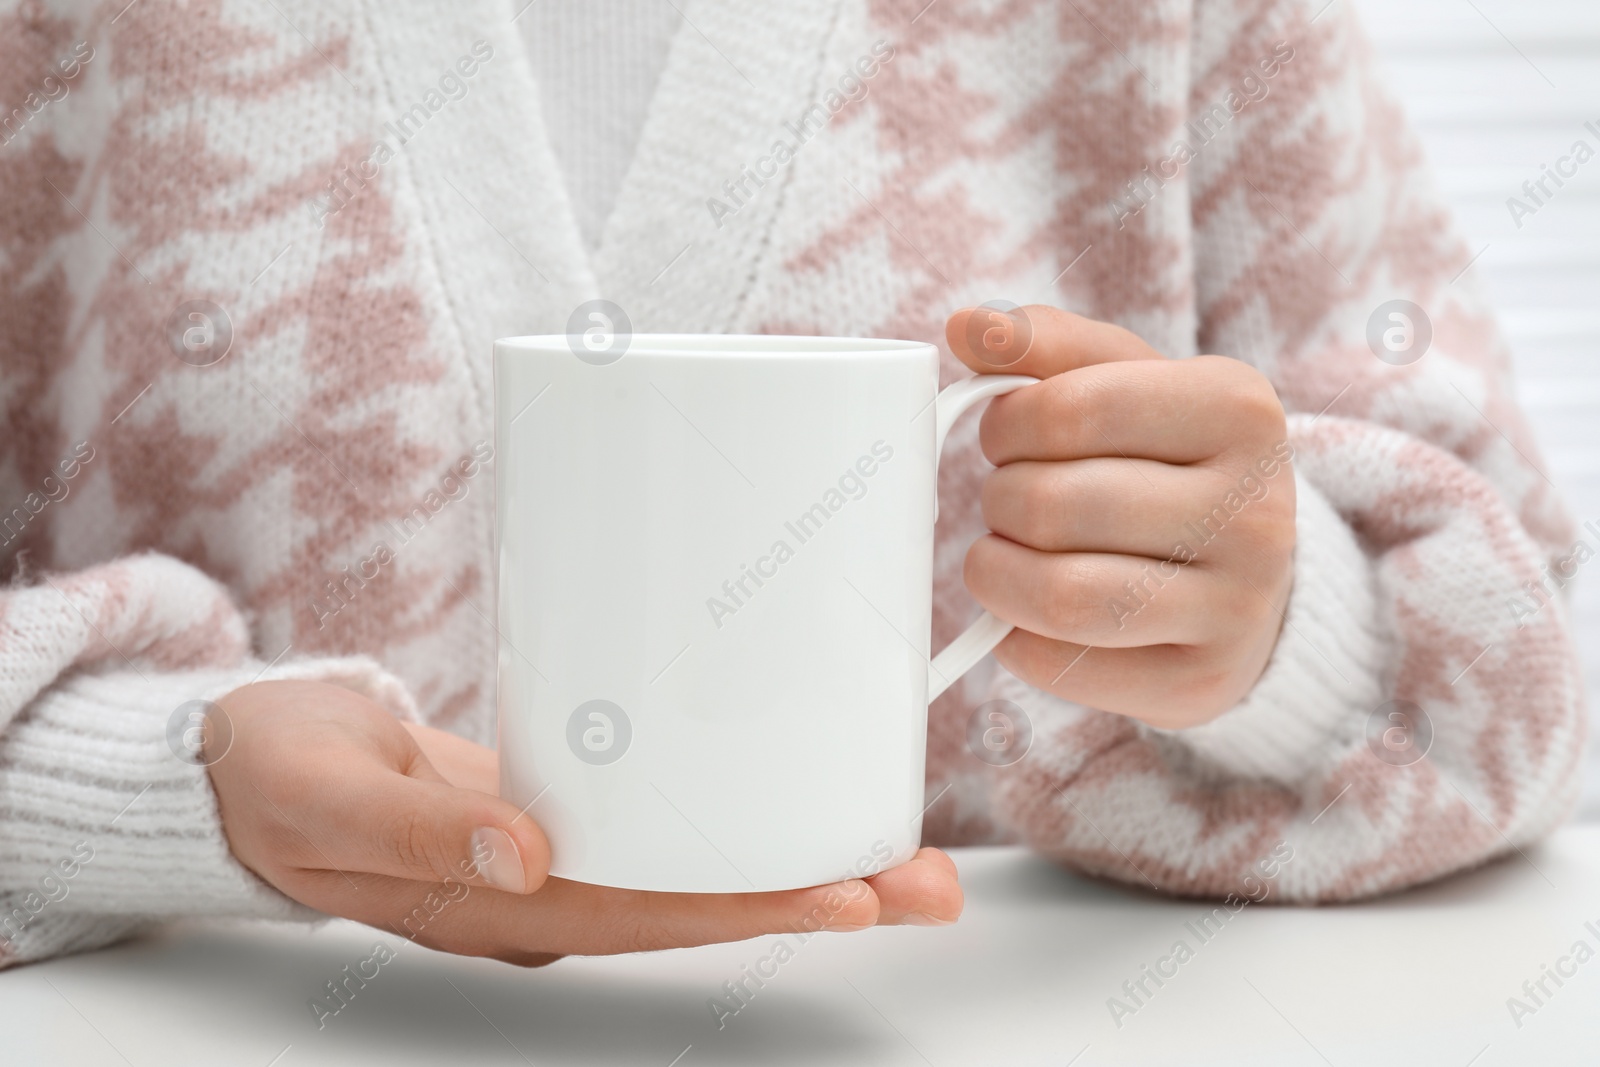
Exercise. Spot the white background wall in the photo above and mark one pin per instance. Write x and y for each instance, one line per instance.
(1497, 88)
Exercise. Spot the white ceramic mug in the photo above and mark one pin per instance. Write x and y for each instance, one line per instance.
(715, 576)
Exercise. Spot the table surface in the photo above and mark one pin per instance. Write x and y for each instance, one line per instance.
(1024, 978)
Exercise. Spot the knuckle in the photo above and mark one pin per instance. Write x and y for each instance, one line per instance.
(411, 841)
(1254, 615)
(1063, 399)
(1042, 662)
(1204, 687)
(1075, 594)
(1073, 393)
(638, 929)
(1257, 401)
(1237, 611)
(1249, 393)
(622, 921)
(1041, 507)
(1253, 604)
(1265, 530)
(1263, 539)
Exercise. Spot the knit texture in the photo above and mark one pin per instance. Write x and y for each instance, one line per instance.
(597, 63)
(358, 202)
(107, 819)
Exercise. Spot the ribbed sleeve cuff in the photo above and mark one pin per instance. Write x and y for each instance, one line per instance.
(107, 819)
(1325, 675)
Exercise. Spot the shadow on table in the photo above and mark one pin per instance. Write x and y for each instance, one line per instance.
(1039, 926)
(430, 1007)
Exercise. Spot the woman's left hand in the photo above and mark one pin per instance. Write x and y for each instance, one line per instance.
(1143, 516)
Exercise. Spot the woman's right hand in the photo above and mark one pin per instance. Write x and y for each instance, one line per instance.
(333, 801)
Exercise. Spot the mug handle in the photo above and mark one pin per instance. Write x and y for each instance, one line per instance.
(979, 639)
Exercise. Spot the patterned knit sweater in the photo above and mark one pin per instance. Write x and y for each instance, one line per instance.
(252, 258)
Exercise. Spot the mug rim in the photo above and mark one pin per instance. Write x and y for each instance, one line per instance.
(726, 345)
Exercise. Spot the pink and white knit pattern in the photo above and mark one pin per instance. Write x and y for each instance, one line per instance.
(181, 163)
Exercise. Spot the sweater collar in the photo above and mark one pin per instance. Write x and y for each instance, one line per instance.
(507, 245)
(735, 75)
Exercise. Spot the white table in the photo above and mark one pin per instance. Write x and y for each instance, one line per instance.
(1417, 979)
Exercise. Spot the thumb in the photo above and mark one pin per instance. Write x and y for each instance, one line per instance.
(416, 825)
(1037, 340)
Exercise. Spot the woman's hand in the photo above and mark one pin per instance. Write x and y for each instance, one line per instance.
(1143, 516)
(330, 799)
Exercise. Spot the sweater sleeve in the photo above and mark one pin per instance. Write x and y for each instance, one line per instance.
(1422, 712)
(108, 824)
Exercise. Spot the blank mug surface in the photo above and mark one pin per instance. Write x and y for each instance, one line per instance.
(714, 600)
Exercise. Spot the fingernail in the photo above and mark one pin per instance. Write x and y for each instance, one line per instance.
(498, 859)
(922, 918)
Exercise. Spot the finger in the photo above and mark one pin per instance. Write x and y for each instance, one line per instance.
(1137, 508)
(921, 892)
(1167, 686)
(1141, 409)
(458, 760)
(572, 918)
(1096, 598)
(450, 916)
(407, 822)
(576, 918)
(940, 857)
(1038, 340)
